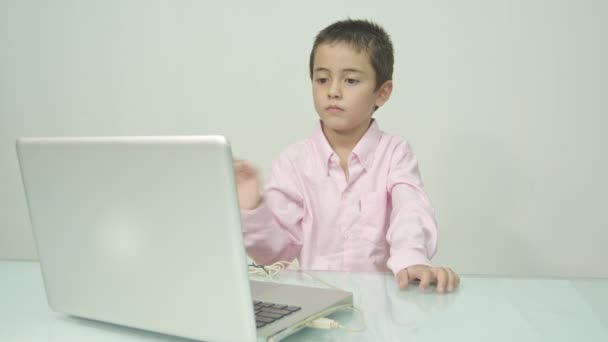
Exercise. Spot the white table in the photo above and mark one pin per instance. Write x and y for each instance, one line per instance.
(483, 309)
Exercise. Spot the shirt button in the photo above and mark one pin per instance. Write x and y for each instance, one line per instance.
(346, 234)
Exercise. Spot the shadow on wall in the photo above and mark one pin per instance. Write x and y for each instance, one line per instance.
(484, 192)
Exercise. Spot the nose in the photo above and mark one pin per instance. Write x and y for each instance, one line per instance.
(334, 91)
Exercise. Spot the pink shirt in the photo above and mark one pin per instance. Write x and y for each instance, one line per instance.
(380, 220)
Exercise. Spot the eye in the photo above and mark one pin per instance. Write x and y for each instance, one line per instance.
(321, 80)
(352, 81)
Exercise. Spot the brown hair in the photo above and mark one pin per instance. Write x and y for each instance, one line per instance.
(362, 35)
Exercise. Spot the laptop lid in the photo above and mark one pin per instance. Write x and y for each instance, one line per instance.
(140, 231)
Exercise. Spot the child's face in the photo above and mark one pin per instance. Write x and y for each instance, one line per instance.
(344, 88)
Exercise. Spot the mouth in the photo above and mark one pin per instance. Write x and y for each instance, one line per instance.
(334, 109)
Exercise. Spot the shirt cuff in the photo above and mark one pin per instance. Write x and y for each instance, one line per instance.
(405, 258)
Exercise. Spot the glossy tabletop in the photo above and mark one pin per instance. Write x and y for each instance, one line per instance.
(483, 309)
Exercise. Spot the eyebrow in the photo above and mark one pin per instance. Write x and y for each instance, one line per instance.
(343, 70)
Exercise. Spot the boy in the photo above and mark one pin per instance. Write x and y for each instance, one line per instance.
(350, 197)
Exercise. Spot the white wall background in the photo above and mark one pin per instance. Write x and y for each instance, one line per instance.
(503, 101)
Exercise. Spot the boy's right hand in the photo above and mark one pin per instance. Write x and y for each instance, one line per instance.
(247, 184)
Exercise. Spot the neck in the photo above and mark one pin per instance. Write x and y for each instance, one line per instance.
(343, 142)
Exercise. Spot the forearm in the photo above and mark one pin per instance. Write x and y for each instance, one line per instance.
(412, 234)
(266, 241)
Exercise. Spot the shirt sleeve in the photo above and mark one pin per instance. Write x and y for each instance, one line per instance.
(412, 233)
(273, 231)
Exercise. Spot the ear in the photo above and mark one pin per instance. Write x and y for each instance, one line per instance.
(384, 93)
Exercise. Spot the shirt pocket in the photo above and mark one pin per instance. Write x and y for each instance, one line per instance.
(374, 216)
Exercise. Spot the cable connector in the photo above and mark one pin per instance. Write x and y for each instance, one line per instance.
(323, 323)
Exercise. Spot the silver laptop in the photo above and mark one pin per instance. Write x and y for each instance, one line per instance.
(145, 232)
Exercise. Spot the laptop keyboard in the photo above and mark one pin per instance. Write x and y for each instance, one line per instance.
(266, 313)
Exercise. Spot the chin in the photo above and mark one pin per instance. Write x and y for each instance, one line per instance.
(336, 124)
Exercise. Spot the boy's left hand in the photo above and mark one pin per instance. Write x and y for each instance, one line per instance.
(444, 277)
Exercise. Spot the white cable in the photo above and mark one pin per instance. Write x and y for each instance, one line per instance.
(323, 323)
(266, 271)
(271, 270)
(318, 321)
(327, 323)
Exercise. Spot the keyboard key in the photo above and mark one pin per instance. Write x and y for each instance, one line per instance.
(269, 314)
(277, 311)
(266, 312)
(264, 319)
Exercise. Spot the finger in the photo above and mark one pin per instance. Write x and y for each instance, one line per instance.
(442, 279)
(238, 165)
(456, 278)
(451, 279)
(240, 172)
(403, 278)
(244, 168)
(425, 278)
(241, 163)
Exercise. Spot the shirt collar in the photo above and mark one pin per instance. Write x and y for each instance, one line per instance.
(366, 147)
(324, 150)
(364, 150)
